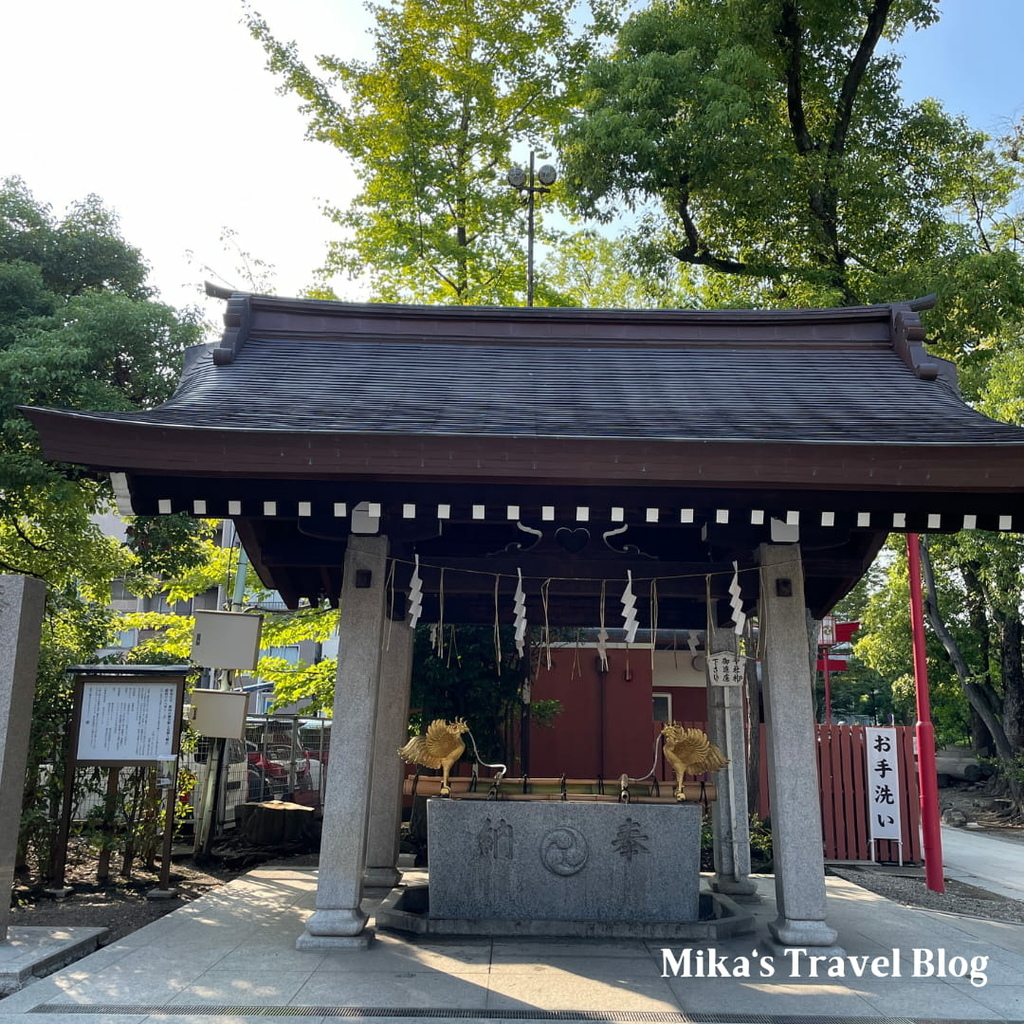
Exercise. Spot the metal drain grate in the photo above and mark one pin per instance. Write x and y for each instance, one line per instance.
(370, 1012)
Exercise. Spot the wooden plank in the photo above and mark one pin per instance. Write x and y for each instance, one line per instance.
(827, 783)
(852, 811)
(862, 846)
(910, 797)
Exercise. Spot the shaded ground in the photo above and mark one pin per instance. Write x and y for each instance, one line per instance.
(122, 905)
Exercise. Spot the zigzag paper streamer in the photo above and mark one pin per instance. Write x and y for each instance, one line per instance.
(520, 616)
(602, 636)
(736, 601)
(630, 623)
(415, 595)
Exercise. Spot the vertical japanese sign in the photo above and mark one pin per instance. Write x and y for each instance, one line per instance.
(883, 785)
(725, 669)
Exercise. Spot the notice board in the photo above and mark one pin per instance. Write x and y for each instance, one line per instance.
(125, 721)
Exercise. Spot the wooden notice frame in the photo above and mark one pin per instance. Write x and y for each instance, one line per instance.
(146, 729)
(128, 717)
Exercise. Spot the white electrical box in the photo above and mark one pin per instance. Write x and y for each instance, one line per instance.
(226, 639)
(219, 713)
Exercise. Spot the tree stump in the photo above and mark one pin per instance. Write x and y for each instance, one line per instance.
(276, 823)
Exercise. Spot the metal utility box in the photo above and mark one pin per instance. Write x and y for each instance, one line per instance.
(219, 713)
(226, 639)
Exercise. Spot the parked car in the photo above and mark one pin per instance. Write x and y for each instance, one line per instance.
(273, 769)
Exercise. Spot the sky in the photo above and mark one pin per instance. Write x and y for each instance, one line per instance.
(164, 109)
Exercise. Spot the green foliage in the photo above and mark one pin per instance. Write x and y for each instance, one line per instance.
(884, 642)
(459, 675)
(761, 848)
(544, 712)
(587, 269)
(769, 149)
(429, 125)
(173, 544)
(78, 329)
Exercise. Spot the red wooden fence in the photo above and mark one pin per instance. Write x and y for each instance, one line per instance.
(842, 773)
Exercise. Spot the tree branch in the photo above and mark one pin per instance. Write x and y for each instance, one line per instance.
(789, 34)
(855, 75)
(28, 540)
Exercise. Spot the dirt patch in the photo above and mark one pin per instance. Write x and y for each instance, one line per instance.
(979, 808)
(120, 905)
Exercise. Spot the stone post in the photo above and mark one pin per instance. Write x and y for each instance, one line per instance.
(388, 767)
(792, 760)
(21, 617)
(730, 825)
(338, 921)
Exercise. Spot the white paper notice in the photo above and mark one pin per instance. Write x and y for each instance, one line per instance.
(883, 784)
(124, 722)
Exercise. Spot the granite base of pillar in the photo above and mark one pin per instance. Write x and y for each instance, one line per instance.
(734, 886)
(312, 942)
(792, 932)
(335, 929)
(381, 878)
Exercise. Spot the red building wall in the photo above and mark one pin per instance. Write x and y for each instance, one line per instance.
(607, 726)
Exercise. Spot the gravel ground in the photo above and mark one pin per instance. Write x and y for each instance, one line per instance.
(911, 890)
(908, 886)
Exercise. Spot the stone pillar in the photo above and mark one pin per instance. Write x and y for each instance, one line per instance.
(338, 921)
(21, 617)
(730, 824)
(792, 761)
(388, 768)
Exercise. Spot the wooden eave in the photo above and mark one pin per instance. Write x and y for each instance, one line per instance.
(529, 461)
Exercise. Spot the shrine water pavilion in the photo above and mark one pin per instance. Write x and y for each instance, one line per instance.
(720, 463)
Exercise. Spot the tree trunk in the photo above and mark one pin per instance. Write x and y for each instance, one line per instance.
(981, 739)
(1013, 681)
(975, 693)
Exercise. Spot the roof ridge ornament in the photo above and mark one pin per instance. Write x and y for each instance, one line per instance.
(237, 315)
(908, 337)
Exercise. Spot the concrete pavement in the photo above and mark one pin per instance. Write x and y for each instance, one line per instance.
(985, 859)
(230, 957)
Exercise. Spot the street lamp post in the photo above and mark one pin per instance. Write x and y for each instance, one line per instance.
(517, 178)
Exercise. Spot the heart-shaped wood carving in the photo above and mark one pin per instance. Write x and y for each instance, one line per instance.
(572, 540)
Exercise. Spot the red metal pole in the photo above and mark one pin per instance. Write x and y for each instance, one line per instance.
(924, 733)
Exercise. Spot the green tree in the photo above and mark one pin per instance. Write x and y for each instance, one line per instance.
(588, 269)
(458, 674)
(768, 148)
(431, 125)
(78, 329)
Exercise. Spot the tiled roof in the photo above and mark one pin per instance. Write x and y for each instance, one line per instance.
(330, 367)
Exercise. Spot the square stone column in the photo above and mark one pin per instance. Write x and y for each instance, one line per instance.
(338, 922)
(388, 768)
(730, 824)
(21, 616)
(792, 752)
